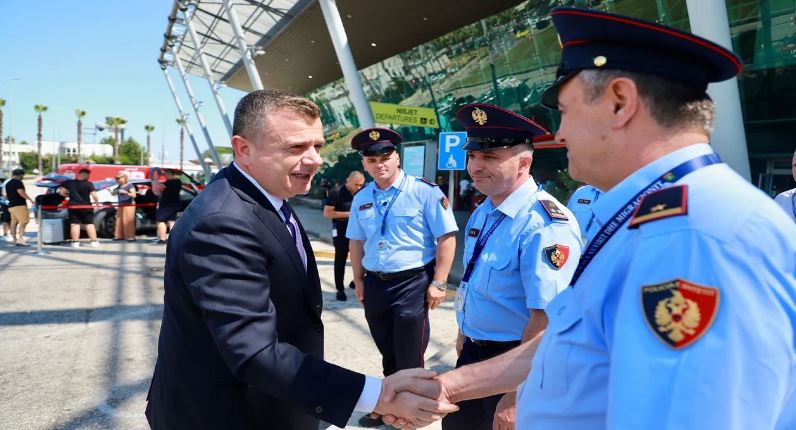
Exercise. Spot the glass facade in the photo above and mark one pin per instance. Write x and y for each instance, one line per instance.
(508, 59)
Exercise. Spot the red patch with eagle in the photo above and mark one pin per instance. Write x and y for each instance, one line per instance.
(679, 312)
(557, 255)
(444, 202)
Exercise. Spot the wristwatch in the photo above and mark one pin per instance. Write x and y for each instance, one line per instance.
(442, 286)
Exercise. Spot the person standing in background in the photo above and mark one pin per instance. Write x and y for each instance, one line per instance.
(125, 211)
(337, 208)
(18, 207)
(403, 239)
(168, 205)
(81, 193)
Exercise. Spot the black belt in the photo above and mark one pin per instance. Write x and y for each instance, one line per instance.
(495, 343)
(403, 274)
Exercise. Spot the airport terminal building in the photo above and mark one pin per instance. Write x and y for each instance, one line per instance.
(410, 65)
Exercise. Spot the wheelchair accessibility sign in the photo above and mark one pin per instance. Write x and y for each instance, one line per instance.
(451, 155)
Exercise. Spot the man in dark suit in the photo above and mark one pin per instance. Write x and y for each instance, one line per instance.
(241, 343)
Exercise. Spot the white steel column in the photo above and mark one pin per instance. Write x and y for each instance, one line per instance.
(708, 19)
(209, 75)
(195, 104)
(205, 167)
(343, 50)
(245, 52)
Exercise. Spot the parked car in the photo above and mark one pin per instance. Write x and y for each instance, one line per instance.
(105, 216)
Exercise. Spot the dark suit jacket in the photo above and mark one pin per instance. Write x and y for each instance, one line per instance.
(241, 343)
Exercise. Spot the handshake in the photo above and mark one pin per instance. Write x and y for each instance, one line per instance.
(413, 398)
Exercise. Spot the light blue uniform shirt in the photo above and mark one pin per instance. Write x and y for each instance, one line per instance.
(514, 273)
(419, 215)
(580, 203)
(600, 365)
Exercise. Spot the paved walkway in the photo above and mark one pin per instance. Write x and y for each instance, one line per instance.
(79, 330)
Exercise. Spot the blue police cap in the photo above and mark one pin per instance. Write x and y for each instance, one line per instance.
(376, 141)
(492, 127)
(598, 40)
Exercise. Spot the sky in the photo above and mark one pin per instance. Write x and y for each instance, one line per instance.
(99, 56)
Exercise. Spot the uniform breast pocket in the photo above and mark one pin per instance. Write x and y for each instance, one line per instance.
(496, 284)
(404, 217)
(367, 219)
(553, 375)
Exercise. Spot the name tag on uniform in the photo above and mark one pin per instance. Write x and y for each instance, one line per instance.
(366, 206)
(473, 232)
(381, 245)
(584, 201)
(461, 293)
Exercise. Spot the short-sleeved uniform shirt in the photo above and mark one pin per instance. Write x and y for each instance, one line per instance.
(787, 201)
(608, 361)
(580, 203)
(419, 214)
(517, 269)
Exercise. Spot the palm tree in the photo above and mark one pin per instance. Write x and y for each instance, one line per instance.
(181, 122)
(80, 114)
(115, 122)
(2, 103)
(149, 129)
(39, 109)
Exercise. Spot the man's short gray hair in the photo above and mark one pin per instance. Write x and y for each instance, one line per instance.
(672, 104)
(252, 109)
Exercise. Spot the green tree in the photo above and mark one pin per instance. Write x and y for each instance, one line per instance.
(182, 122)
(80, 114)
(116, 123)
(130, 151)
(2, 103)
(219, 150)
(30, 160)
(39, 109)
(149, 129)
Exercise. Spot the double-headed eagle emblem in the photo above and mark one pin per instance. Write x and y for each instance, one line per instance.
(374, 135)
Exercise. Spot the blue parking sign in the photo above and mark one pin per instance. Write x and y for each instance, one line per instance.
(451, 156)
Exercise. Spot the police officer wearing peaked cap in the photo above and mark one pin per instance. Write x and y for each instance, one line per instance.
(521, 248)
(402, 244)
(682, 311)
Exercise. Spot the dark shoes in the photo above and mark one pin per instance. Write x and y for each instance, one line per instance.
(367, 421)
(341, 296)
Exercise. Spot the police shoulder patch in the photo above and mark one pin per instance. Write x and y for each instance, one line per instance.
(444, 202)
(557, 255)
(664, 203)
(553, 210)
(427, 182)
(366, 206)
(679, 312)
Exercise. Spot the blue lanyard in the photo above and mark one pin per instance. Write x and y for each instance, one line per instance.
(389, 205)
(793, 204)
(608, 230)
(479, 248)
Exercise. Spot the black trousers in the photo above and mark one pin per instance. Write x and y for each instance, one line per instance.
(340, 255)
(476, 414)
(397, 315)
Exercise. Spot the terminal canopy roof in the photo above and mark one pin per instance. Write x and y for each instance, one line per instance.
(291, 40)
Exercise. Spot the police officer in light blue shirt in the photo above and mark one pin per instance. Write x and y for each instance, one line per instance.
(521, 248)
(682, 311)
(580, 203)
(402, 243)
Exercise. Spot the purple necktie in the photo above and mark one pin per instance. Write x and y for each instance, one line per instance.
(293, 227)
